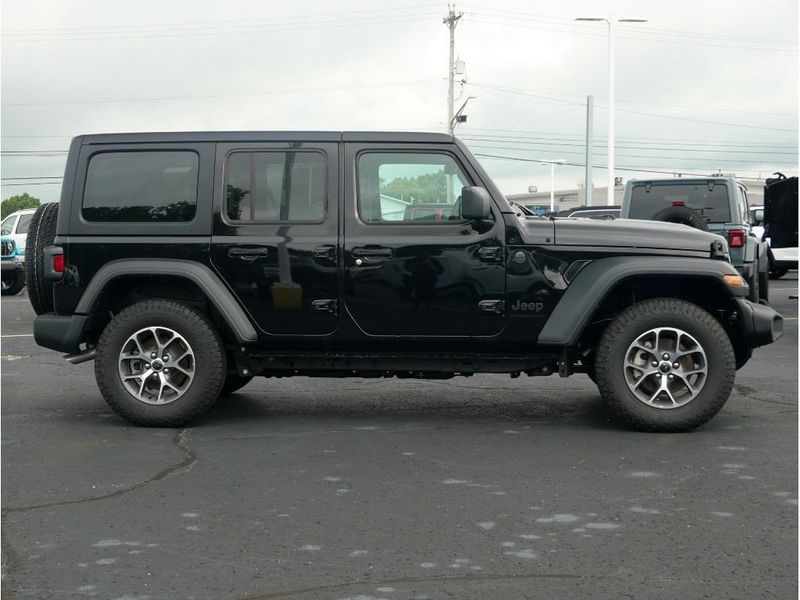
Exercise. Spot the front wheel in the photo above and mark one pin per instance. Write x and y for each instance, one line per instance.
(12, 284)
(160, 363)
(665, 365)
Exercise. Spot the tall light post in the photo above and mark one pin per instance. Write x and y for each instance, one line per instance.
(552, 164)
(610, 21)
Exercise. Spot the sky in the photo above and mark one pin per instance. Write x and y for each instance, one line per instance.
(702, 86)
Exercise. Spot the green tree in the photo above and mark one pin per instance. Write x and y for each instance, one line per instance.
(18, 202)
(431, 187)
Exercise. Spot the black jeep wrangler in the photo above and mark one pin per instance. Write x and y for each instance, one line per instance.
(185, 264)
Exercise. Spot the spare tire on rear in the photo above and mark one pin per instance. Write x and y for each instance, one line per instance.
(41, 233)
(683, 215)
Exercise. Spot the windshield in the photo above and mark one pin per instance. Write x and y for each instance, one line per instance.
(647, 200)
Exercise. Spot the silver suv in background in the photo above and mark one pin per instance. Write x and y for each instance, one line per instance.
(714, 204)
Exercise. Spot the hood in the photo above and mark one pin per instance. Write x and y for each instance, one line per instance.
(633, 233)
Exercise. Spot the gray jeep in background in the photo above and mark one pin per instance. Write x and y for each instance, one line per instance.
(714, 204)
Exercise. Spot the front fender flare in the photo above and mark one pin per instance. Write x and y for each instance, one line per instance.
(596, 280)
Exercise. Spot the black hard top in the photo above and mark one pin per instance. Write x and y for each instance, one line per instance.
(267, 136)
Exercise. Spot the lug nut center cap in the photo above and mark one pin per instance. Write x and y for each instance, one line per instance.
(157, 365)
(665, 367)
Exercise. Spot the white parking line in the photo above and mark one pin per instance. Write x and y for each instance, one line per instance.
(17, 335)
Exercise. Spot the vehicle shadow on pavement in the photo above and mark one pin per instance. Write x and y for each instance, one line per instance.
(575, 409)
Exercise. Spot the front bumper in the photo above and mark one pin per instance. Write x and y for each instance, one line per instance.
(761, 324)
(12, 264)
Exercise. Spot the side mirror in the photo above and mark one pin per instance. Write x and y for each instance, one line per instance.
(475, 202)
(758, 216)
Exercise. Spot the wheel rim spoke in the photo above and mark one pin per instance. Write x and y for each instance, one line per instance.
(148, 370)
(665, 367)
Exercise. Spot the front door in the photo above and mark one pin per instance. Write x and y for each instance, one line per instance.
(275, 239)
(412, 265)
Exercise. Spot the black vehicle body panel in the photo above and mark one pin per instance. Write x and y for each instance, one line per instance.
(506, 294)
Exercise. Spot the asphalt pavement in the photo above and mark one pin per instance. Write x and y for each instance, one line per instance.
(478, 488)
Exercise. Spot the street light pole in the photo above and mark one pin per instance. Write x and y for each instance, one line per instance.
(610, 21)
(552, 164)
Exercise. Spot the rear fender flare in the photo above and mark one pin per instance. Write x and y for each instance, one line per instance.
(199, 274)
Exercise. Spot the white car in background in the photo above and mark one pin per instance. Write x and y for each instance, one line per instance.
(16, 225)
(783, 259)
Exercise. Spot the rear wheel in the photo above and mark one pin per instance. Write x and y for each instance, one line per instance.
(41, 233)
(160, 363)
(665, 365)
(763, 287)
(777, 272)
(12, 283)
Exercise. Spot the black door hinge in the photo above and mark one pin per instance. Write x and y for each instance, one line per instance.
(491, 254)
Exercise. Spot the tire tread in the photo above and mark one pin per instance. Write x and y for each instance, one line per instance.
(621, 325)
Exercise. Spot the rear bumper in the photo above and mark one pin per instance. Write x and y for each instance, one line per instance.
(761, 324)
(59, 332)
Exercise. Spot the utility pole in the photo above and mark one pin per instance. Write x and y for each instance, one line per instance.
(451, 20)
(589, 141)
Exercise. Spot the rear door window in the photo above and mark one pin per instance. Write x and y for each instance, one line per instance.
(711, 201)
(146, 186)
(275, 187)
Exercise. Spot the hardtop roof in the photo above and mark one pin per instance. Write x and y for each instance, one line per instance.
(266, 136)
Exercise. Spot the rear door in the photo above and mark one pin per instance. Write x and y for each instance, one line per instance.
(275, 233)
(421, 273)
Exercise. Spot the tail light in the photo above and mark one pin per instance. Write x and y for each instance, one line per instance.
(54, 264)
(58, 263)
(736, 238)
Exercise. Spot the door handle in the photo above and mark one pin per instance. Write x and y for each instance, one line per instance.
(247, 253)
(325, 253)
(376, 252)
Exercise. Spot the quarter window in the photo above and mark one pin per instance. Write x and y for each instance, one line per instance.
(146, 186)
(275, 187)
(405, 187)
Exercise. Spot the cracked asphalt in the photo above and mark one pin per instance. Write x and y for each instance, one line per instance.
(487, 487)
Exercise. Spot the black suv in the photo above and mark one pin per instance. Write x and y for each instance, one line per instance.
(185, 264)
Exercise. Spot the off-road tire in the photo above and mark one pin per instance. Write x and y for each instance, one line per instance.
(41, 233)
(234, 382)
(15, 284)
(763, 287)
(207, 347)
(664, 312)
(754, 283)
(682, 215)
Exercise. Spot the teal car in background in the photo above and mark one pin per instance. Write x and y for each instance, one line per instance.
(13, 266)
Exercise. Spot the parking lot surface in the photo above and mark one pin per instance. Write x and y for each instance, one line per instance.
(470, 488)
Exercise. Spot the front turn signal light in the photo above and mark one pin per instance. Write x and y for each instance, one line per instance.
(734, 280)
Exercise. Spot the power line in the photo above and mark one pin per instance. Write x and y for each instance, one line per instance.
(575, 164)
(714, 160)
(182, 33)
(370, 11)
(634, 112)
(238, 95)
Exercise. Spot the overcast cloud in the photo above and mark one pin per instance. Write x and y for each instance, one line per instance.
(97, 66)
